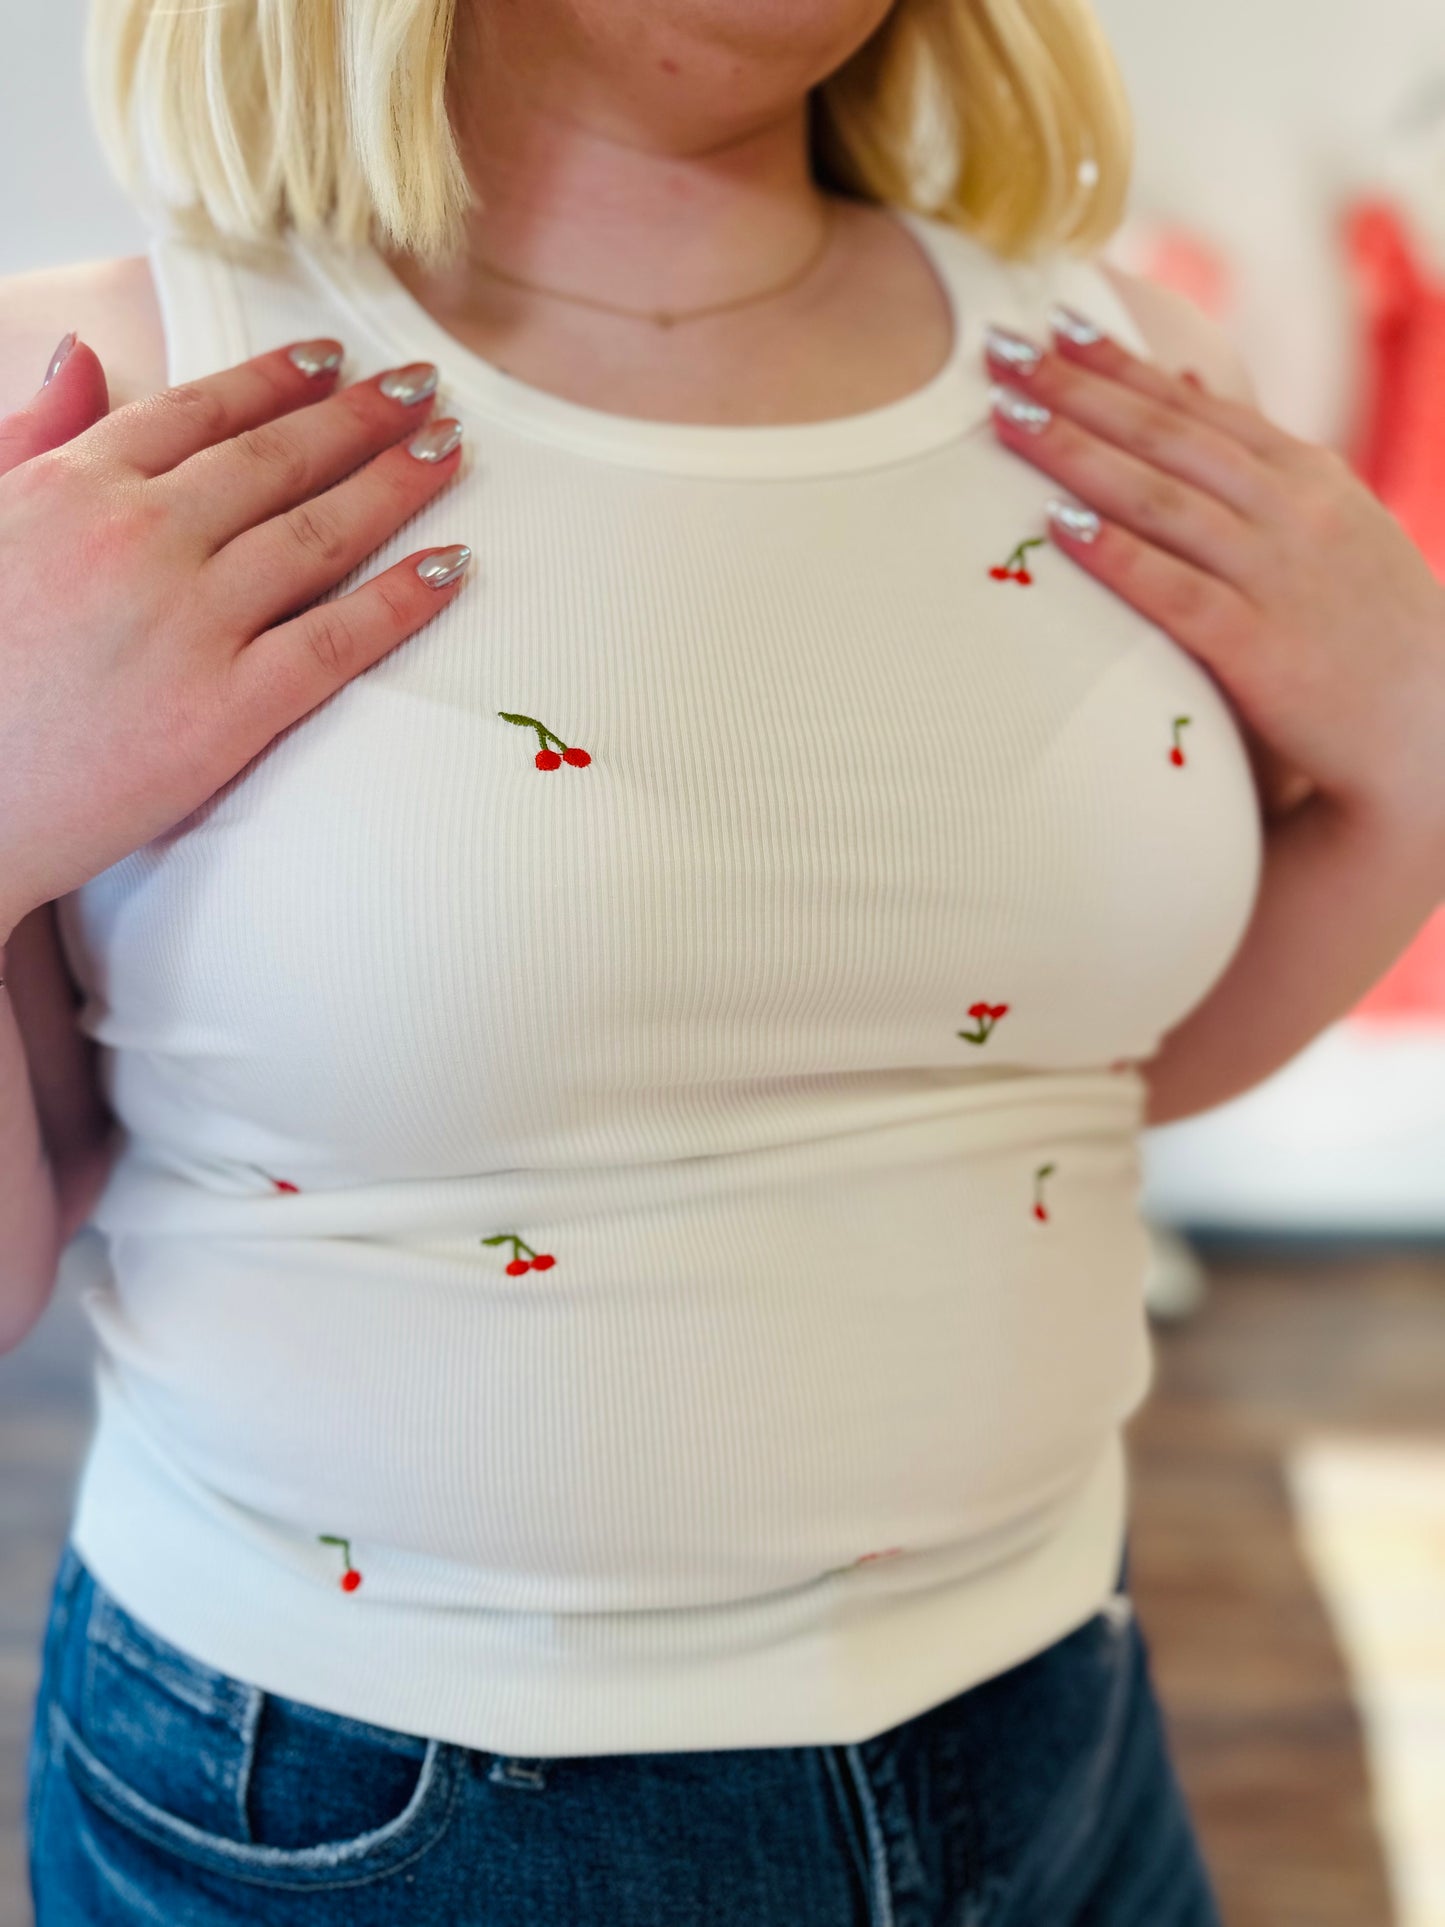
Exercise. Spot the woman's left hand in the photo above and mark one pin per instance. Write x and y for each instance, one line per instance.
(1264, 556)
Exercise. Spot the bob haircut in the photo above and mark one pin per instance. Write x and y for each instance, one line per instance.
(242, 118)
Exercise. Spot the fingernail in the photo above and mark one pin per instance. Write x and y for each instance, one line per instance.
(67, 342)
(1023, 413)
(1073, 326)
(1081, 523)
(1015, 351)
(444, 566)
(409, 384)
(436, 440)
(316, 357)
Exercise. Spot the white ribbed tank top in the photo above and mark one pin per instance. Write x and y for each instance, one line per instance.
(667, 1222)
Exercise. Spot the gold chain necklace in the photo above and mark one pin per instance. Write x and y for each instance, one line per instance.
(667, 317)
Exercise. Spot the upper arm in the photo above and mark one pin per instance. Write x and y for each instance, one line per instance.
(75, 1120)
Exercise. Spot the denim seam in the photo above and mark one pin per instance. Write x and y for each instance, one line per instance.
(1120, 1631)
(853, 1836)
(881, 1898)
(241, 1784)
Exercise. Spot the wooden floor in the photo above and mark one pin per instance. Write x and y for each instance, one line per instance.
(1265, 1734)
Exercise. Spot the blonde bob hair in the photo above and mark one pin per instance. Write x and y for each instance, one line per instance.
(1007, 118)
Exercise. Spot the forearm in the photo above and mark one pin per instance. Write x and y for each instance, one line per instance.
(1339, 900)
(30, 1216)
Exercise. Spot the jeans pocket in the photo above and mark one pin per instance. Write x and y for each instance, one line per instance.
(191, 1761)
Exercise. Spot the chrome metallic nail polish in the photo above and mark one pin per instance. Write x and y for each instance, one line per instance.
(67, 342)
(436, 440)
(1073, 326)
(315, 357)
(444, 566)
(1015, 351)
(1030, 415)
(1079, 522)
(413, 383)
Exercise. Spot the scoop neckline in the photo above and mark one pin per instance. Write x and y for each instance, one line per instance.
(953, 400)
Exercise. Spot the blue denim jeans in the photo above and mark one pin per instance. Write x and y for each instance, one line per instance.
(162, 1790)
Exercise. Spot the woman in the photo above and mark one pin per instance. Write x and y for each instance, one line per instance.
(621, 1197)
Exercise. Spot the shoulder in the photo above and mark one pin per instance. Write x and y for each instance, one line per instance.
(1181, 335)
(113, 307)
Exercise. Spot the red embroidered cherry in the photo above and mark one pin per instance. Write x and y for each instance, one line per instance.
(282, 1185)
(518, 1266)
(548, 758)
(1043, 1171)
(1007, 572)
(351, 1578)
(1176, 757)
(543, 1261)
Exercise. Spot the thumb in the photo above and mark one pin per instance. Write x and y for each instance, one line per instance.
(73, 398)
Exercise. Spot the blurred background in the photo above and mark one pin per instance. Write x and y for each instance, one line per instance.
(1288, 1551)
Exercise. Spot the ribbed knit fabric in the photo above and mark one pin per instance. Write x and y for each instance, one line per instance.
(628, 1233)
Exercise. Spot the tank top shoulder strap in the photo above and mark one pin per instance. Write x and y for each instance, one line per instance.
(987, 287)
(223, 301)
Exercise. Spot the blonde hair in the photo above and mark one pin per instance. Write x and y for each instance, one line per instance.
(1007, 118)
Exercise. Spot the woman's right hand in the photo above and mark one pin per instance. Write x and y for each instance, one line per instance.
(151, 572)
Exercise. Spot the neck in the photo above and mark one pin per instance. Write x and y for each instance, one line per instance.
(617, 187)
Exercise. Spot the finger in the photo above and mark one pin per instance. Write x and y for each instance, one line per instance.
(72, 400)
(159, 431)
(1150, 415)
(1194, 525)
(1208, 617)
(286, 562)
(1264, 439)
(285, 672)
(227, 489)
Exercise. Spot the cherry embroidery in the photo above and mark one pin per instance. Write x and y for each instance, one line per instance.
(1176, 755)
(548, 758)
(891, 1552)
(1008, 573)
(539, 1260)
(351, 1578)
(1043, 1171)
(987, 1015)
(280, 1184)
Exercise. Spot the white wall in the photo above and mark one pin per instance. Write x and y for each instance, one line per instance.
(1256, 118)
(58, 202)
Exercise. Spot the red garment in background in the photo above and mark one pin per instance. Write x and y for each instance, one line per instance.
(1397, 446)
